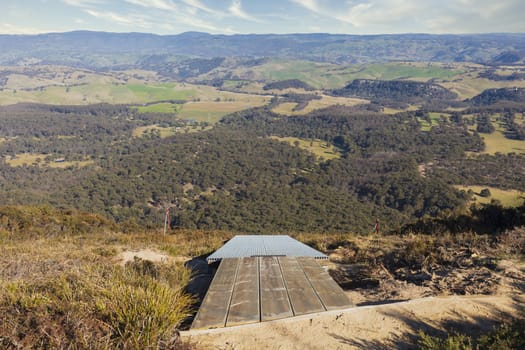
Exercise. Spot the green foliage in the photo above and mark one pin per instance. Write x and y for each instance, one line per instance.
(163, 107)
(493, 96)
(104, 307)
(287, 84)
(20, 221)
(485, 192)
(142, 307)
(452, 342)
(400, 90)
(236, 177)
(507, 336)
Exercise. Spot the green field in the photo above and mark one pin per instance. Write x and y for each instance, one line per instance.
(413, 71)
(496, 142)
(212, 111)
(507, 198)
(321, 149)
(100, 93)
(435, 119)
(326, 75)
(164, 107)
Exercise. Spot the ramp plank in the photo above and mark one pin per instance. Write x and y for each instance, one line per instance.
(274, 296)
(327, 289)
(303, 297)
(250, 290)
(214, 308)
(244, 306)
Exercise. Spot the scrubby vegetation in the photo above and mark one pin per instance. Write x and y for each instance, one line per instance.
(395, 90)
(395, 168)
(507, 336)
(288, 84)
(63, 284)
(85, 184)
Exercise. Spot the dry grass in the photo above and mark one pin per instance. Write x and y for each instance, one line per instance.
(496, 142)
(212, 111)
(63, 85)
(388, 110)
(33, 159)
(322, 149)
(162, 131)
(62, 284)
(470, 86)
(287, 108)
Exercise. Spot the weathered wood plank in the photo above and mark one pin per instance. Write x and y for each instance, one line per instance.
(244, 306)
(331, 295)
(303, 298)
(274, 296)
(216, 303)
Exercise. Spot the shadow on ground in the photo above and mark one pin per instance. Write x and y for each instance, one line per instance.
(455, 322)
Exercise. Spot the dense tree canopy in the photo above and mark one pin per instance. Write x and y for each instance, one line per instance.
(236, 177)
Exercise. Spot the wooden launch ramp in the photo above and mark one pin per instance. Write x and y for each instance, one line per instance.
(255, 289)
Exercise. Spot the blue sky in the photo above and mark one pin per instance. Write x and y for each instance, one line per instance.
(263, 16)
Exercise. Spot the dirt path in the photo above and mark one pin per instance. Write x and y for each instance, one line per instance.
(366, 327)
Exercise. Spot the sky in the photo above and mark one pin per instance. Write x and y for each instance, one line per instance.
(263, 16)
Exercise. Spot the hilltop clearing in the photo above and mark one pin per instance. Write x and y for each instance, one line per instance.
(402, 286)
(62, 271)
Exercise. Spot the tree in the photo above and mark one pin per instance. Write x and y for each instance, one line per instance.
(485, 193)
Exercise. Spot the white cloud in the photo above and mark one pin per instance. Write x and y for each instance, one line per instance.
(157, 4)
(401, 16)
(382, 12)
(82, 3)
(118, 18)
(311, 5)
(198, 5)
(237, 11)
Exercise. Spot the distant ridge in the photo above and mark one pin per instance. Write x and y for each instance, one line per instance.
(86, 48)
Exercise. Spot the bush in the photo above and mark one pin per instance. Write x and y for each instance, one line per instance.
(452, 342)
(97, 308)
(484, 193)
(506, 336)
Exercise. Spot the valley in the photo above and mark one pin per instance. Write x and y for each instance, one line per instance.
(426, 141)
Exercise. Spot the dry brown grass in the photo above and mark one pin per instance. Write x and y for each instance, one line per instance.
(62, 284)
(287, 108)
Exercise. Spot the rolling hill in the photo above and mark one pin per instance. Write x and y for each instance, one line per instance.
(103, 50)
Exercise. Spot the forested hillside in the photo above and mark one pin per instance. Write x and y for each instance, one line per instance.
(395, 90)
(239, 176)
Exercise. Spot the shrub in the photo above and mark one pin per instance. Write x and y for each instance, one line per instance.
(452, 342)
(96, 308)
(484, 193)
(506, 336)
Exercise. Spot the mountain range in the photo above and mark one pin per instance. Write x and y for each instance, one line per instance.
(119, 50)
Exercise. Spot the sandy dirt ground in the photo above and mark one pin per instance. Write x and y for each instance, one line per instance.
(394, 312)
(367, 327)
